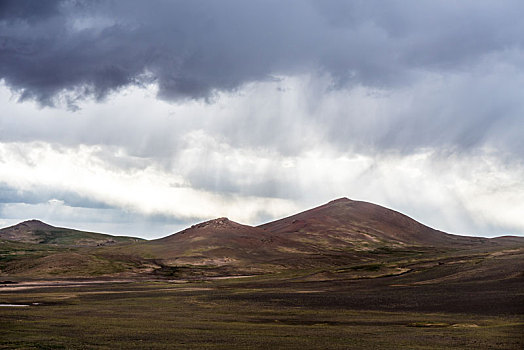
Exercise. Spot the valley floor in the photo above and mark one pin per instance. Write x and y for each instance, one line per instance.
(285, 311)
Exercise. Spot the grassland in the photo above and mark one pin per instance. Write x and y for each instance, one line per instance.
(246, 313)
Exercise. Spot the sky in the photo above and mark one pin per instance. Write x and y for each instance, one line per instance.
(144, 117)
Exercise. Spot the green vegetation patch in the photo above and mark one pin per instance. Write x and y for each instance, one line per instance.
(364, 267)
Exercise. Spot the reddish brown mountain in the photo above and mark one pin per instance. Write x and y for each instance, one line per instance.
(346, 223)
(338, 232)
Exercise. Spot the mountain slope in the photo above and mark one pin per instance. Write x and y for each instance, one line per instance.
(360, 225)
(35, 231)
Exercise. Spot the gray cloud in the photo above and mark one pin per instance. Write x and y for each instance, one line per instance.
(271, 97)
(459, 111)
(31, 11)
(67, 50)
(42, 195)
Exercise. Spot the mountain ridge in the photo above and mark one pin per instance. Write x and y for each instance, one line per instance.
(339, 232)
(402, 221)
(342, 233)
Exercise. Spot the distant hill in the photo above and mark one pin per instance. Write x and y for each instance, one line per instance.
(35, 231)
(342, 236)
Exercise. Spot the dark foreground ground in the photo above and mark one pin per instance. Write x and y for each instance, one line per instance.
(306, 310)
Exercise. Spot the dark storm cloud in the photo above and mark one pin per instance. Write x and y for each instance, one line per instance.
(28, 10)
(66, 50)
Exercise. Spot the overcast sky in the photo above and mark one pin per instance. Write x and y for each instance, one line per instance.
(144, 117)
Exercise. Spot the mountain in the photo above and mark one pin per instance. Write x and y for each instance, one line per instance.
(35, 231)
(344, 223)
(338, 233)
(340, 238)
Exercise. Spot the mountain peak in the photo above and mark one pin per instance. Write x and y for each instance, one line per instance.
(216, 223)
(340, 200)
(33, 224)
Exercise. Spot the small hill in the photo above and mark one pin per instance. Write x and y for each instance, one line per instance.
(35, 231)
(218, 242)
